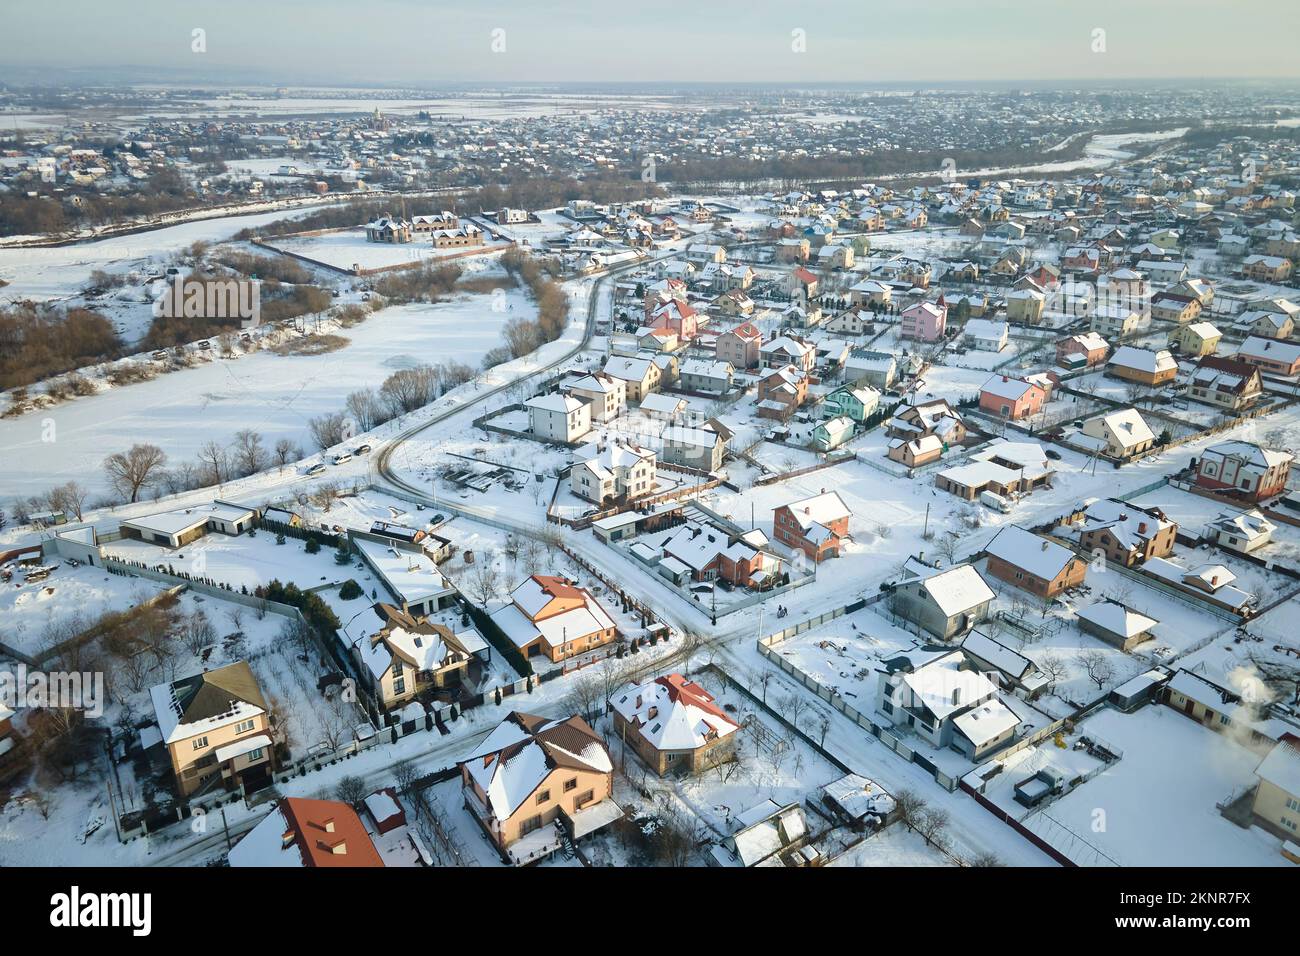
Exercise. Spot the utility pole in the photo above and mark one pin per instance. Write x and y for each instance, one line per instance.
(927, 520)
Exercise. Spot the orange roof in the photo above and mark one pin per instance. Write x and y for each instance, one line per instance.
(803, 275)
(747, 330)
(680, 688)
(320, 828)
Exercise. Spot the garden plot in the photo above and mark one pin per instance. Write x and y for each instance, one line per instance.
(1063, 754)
(245, 562)
(501, 562)
(842, 654)
(348, 249)
(1141, 809)
(311, 719)
(1268, 648)
(948, 381)
(772, 763)
(896, 845)
(1084, 666)
(35, 614)
(272, 394)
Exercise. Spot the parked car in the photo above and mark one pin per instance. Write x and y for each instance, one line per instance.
(1052, 454)
(363, 449)
(342, 459)
(316, 469)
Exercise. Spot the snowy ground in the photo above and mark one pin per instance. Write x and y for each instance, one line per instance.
(1156, 807)
(35, 615)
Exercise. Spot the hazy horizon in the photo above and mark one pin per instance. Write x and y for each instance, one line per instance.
(413, 43)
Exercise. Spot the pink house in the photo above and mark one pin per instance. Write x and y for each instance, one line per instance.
(676, 316)
(1012, 398)
(925, 321)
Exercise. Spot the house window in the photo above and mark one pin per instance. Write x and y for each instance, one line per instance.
(255, 755)
(200, 743)
(529, 825)
(571, 784)
(399, 685)
(244, 726)
(542, 797)
(585, 798)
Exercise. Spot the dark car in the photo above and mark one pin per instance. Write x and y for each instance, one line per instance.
(1052, 454)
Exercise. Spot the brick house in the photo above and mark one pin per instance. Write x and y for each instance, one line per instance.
(816, 526)
(673, 725)
(1034, 563)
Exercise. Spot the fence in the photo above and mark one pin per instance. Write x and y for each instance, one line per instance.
(832, 697)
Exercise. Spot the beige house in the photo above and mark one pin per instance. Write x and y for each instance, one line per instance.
(1196, 339)
(640, 376)
(532, 776)
(216, 728)
(406, 655)
(619, 471)
(606, 395)
(1120, 434)
(1026, 305)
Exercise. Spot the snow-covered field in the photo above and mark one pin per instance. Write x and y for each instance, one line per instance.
(343, 250)
(274, 395)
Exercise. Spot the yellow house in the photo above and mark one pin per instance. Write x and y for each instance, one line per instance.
(1197, 339)
(1277, 798)
(532, 776)
(216, 728)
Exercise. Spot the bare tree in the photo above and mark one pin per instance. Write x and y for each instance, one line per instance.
(405, 774)
(132, 471)
(1098, 667)
(214, 462)
(485, 583)
(284, 452)
(1054, 668)
(366, 409)
(351, 790)
(70, 498)
(328, 430)
(248, 453)
(932, 823)
(586, 694)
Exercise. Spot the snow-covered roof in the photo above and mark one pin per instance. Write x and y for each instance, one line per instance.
(520, 753)
(1030, 552)
(1114, 617)
(986, 722)
(956, 590)
(672, 713)
(1281, 766)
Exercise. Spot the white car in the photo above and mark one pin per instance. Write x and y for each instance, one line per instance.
(342, 459)
(317, 469)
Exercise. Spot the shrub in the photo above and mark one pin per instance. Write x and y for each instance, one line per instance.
(350, 590)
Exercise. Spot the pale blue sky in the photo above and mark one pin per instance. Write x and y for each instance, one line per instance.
(427, 42)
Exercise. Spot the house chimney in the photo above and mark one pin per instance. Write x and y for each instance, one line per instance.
(1142, 527)
(1214, 580)
(956, 696)
(1045, 544)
